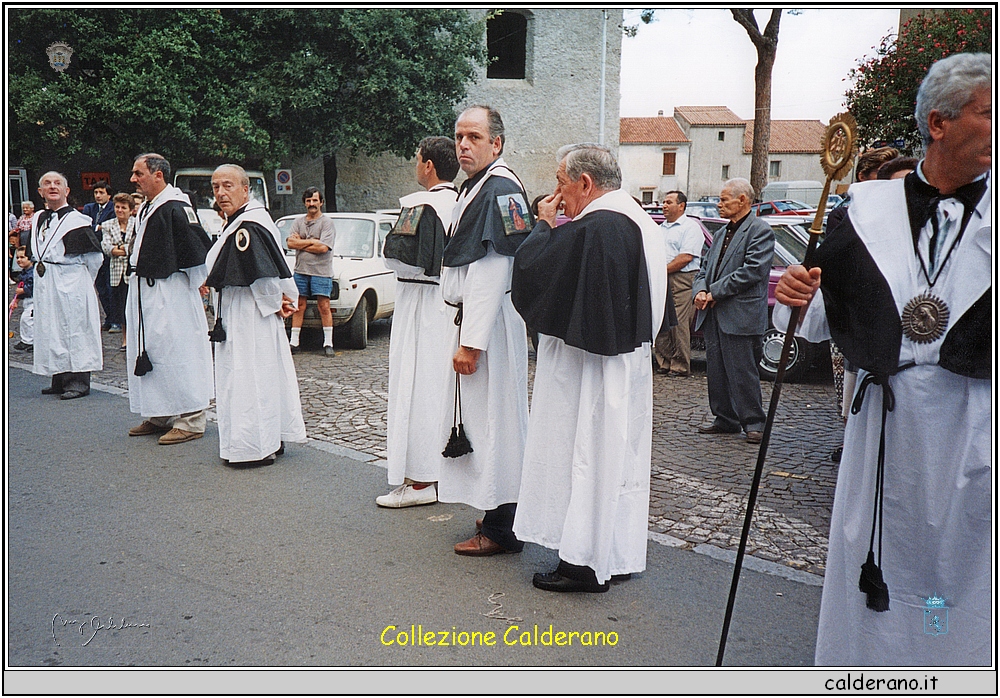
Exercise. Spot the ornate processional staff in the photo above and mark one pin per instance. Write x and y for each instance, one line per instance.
(836, 159)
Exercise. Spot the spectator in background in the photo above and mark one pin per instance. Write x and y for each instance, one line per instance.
(24, 296)
(116, 237)
(684, 240)
(897, 168)
(100, 211)
(19, 233)
(312, 238)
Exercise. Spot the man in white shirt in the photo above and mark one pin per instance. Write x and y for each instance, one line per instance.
(683, 239)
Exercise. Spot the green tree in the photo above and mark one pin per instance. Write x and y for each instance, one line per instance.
(252, 86)
(883, 92)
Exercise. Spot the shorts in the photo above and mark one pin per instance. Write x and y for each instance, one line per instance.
(311, 286)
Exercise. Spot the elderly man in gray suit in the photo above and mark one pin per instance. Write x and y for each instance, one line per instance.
(730, 293)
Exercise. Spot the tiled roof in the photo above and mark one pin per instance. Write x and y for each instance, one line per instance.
(792, 136)
(636, 130)
(709, 116)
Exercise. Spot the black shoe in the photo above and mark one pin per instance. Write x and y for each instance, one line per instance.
(553, 581)
(250, 463)
(716, 429)
(52, 390)
(21, 346)
(836, 454)
(619, 578)
(329, 351)
(281, 449)
(73, 394)
(295, 348)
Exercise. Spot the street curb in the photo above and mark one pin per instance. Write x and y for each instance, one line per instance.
(749, 561)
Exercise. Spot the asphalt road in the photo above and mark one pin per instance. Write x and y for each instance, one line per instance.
(125, 553)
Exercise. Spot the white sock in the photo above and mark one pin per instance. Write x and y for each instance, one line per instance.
(294, 341)
(327, 336)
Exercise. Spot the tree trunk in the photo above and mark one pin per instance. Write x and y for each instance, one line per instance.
(330, 182)
(767, 48)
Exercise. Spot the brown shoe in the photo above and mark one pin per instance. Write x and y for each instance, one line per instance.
(179, 436)
(480, 546)
(755, 437)
(147, 428)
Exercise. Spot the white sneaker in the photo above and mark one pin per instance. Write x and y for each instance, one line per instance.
(407, 496)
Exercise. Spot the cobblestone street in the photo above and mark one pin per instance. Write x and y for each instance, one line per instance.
(699, 482)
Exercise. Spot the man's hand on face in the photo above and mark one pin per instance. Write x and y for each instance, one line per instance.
(548, 208)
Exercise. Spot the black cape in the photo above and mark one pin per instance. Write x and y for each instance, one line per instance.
(482, 223)
(865, 323)
(171, 242)
(76, 241)
(261, 258)
(425, 249)
(585, 282)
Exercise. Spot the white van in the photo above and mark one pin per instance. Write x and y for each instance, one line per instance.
(804, 190)
(199, 181)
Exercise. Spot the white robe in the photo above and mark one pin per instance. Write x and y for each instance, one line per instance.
(585, 481)
(420, 368)
(175, 334)
(495, 397)
(256, 388)
(67, 315)
(937, 506)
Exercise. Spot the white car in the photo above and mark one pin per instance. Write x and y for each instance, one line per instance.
(364, 289)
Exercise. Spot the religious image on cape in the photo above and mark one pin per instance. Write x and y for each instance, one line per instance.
(408, 219)
(515, 213)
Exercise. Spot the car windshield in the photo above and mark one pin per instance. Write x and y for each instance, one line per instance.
(792, 240)
(355, 236)
(791, 206)
(703, 209)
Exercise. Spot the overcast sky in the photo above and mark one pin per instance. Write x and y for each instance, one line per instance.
(702, 57)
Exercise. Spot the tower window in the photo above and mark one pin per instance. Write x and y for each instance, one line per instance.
(506, 42)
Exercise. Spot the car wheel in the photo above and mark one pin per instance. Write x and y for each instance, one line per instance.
(798, 358)
(356, 328)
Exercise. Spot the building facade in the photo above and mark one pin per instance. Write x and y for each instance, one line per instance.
(715, 145)
(556, 83)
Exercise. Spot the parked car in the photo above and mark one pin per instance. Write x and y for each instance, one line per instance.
(782, 207)
(702, 209)
(364, 289)
(790, 240)
(710, 199)
(832, 201)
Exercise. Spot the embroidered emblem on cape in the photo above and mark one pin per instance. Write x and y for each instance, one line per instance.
(192, 216)
(925, 318)
(408, 219)
(515, 213)
(242, 240)
(935, 616)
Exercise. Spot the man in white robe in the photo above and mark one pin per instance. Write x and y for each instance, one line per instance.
(256, 389)
(903, 285)
(67, 258)
(487, 337)
(419, 362)
(168, 355)
(595, 290)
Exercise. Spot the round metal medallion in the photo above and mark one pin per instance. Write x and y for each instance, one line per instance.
(40, 268)
(242, 239)
(925, 318)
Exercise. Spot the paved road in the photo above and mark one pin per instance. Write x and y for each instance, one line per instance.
(199, 565)
(699, 483)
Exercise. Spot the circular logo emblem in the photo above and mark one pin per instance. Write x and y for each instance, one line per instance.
(242, 239)
(925, 318)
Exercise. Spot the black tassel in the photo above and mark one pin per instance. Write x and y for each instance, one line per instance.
(218, 333)
(872, 584)
(458, 443)
(142, 364)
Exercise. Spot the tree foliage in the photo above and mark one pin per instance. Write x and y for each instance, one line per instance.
(249, 85)
(883, 93)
